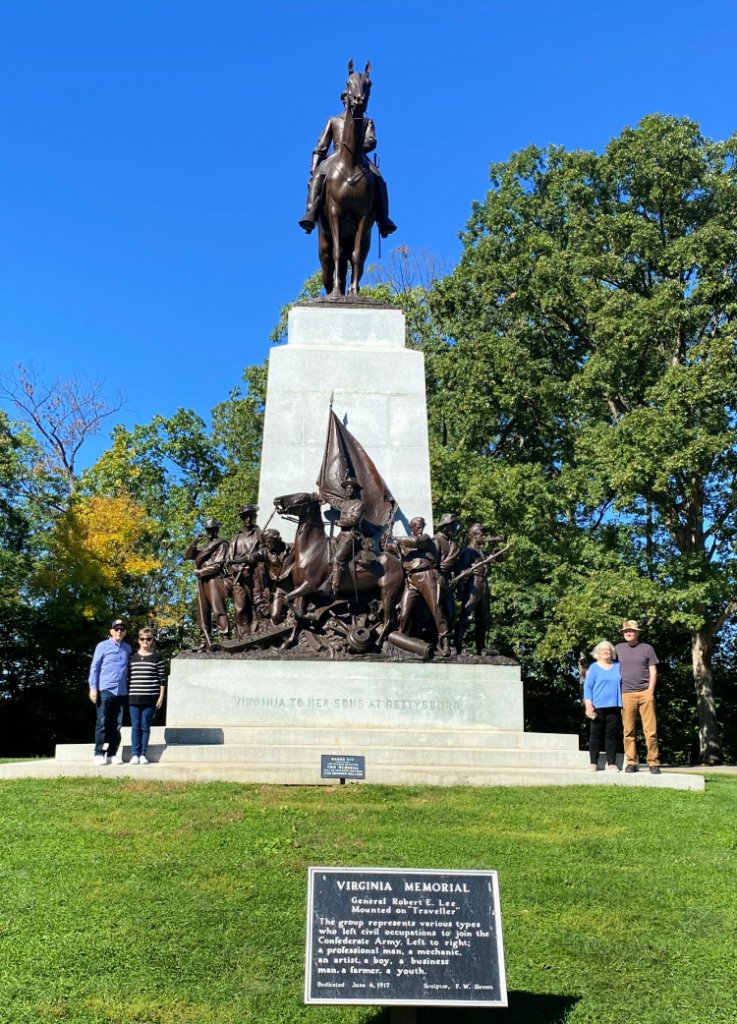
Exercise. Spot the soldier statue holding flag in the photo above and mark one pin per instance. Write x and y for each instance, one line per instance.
(351, 483)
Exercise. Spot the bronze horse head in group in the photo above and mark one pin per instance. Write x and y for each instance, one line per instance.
(382, 578)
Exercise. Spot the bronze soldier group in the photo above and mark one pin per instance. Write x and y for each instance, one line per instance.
(345, 595)
(247, 570)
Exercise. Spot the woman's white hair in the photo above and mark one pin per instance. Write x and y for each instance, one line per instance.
(604, 643)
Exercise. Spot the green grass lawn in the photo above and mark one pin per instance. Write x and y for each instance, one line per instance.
(129, 902)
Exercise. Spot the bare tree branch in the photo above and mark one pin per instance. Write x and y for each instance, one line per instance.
(63, 414)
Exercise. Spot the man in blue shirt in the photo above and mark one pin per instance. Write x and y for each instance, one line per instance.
(109, 691)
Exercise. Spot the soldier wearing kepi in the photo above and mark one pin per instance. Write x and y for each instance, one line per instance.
(638, 666)
(244, 555)
(349, 540)
(332, 133)
(420, 562)
(209, 556)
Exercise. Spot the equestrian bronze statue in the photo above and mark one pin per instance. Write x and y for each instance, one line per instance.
(346, 194)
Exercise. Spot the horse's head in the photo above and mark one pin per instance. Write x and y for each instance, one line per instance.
(300, 504)
(357, 89)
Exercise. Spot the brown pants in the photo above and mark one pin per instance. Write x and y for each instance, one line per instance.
(212, 604)
(425, 584)
(643, 703)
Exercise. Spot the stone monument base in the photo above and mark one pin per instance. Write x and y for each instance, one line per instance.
(436, 724)
(415, 724)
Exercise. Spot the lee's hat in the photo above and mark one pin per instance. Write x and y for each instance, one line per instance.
(212, 524)
(630, 624)
(349, 480)
(247, 508)
(117, 622)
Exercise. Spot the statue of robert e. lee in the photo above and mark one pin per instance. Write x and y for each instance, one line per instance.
(332, 135)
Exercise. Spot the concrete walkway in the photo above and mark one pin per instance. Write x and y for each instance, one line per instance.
(670, 778)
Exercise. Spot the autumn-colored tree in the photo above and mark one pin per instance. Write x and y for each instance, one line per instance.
(97, 557)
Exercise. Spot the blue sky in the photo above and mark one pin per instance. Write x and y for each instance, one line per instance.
(154, 153)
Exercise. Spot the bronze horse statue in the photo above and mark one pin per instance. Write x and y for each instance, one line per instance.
(348, 200)
(311, 563)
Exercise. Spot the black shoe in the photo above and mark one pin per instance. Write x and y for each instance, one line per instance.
(307, 225)
(631, 768)
(387, 227)
(655, 769)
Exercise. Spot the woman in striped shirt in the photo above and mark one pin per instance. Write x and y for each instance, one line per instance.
(146, 687)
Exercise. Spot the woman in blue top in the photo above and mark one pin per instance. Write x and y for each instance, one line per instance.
(602, 694)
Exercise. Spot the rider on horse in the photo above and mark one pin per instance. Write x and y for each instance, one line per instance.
(333, 133)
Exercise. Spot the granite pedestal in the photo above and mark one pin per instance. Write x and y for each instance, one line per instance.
(358, 354)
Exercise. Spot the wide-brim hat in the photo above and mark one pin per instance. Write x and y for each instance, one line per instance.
(247, 509)
(630, 624)
(212, 524)
(349, 480)
(448, 519)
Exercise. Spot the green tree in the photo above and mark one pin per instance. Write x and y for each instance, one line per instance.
(171, 468)
(181, 470)
(44, 643)
(238, 425)
(586, 396)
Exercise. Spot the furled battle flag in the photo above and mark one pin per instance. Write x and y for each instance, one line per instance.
(344, 457)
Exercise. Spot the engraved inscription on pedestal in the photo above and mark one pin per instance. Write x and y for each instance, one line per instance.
(221, 693)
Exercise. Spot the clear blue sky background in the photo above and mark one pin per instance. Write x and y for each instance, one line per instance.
(154, 153)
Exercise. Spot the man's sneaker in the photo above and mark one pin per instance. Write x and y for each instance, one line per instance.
(100, 759)
(143, 759)
(655, 769)
(593, 768)
(612, 768)
(134, 760)
(631, 768)
(116, 759)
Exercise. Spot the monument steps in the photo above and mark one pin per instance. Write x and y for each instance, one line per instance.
(385, 755)
(333, 737)
(397, 748)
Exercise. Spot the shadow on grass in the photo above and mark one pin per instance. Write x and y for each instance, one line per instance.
(524, 1008)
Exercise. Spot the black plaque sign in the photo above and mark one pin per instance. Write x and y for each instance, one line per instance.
(342, 766)
(376, 935)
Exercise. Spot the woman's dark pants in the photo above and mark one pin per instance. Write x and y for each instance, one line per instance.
(605, 727)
